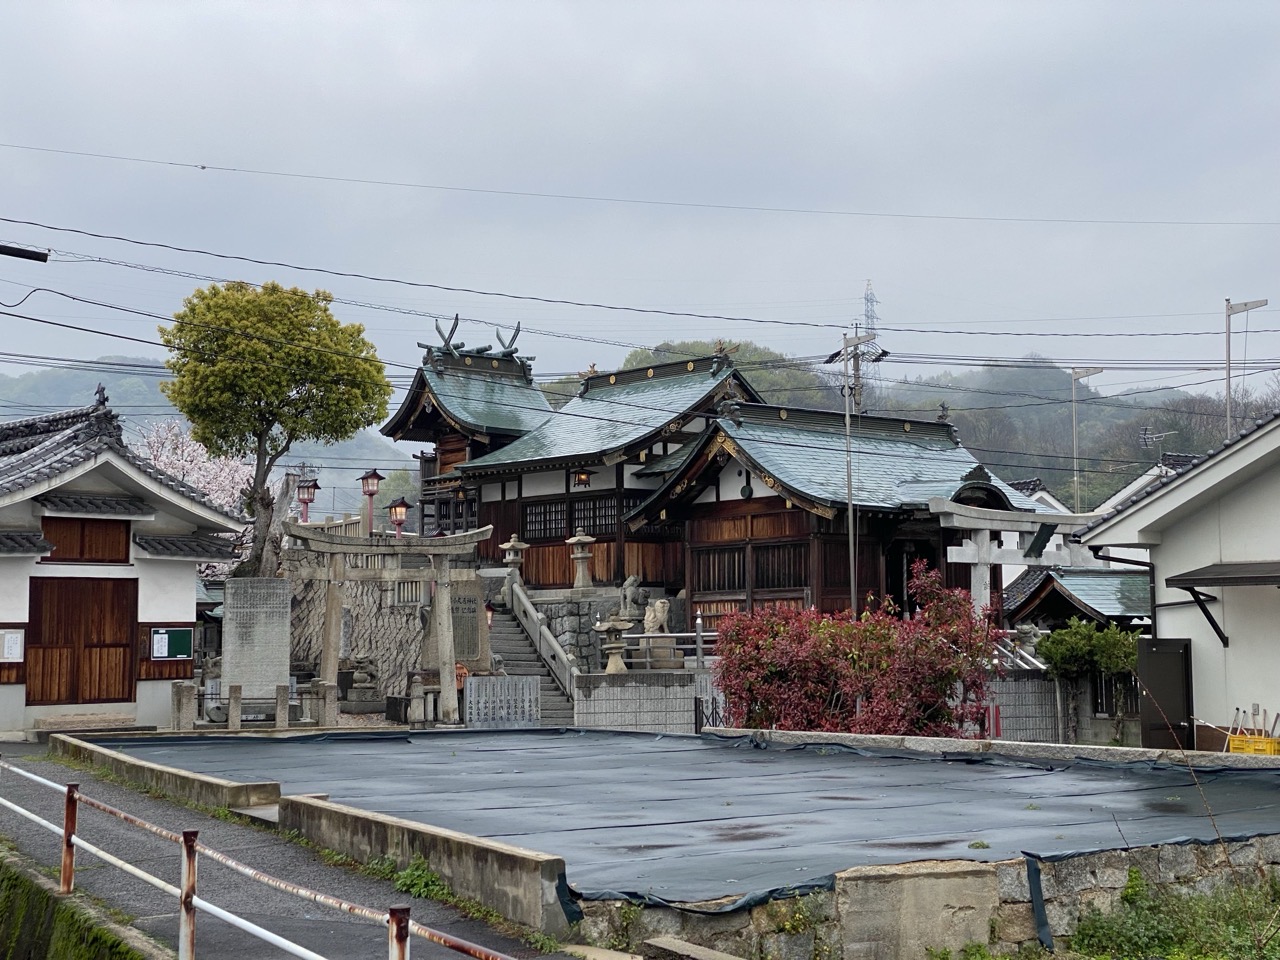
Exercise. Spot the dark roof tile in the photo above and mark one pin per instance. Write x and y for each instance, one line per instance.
(192, 547)
(24, 541)
(59, 502)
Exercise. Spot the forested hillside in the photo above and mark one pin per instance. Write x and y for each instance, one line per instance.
(132, 386)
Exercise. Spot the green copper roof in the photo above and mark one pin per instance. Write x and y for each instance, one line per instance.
(661, 466)
(1113, 593)
(611, 416)
(500, 402)
(896, 463)
(478, 394)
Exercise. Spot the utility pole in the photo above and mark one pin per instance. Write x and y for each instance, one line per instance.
(852, 391)
(1232, 310)
(1077, 373)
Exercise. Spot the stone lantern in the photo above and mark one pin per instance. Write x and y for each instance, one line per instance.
(580, 554)
(612, 643)
(513, 553)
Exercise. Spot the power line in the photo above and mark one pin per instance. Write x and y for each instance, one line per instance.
(639, 201)
(418, 284)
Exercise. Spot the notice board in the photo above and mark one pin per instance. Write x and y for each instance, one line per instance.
(171, 643)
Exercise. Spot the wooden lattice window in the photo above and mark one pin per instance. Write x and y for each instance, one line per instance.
(781, 566)
(597, 516)
(543, 520)
(719, 570)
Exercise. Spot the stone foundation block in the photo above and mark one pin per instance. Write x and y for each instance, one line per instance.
(1015, 923)
(900, 910)
(1011, 882)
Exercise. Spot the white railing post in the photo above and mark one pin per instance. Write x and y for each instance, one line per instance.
(697, 640)
(187, 915)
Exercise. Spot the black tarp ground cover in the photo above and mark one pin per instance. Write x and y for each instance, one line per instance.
(680, 819)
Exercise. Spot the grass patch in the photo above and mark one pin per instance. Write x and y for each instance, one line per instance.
(1235, 922)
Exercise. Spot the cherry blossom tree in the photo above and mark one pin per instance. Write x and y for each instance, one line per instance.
(169, 445)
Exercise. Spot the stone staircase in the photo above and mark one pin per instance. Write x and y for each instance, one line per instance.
(520, 659)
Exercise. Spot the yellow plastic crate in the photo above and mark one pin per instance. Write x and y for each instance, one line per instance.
(1244, 743)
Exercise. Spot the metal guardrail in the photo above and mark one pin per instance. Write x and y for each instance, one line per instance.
(396, 918)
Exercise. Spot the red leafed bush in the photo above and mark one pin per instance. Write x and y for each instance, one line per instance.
(802, 670)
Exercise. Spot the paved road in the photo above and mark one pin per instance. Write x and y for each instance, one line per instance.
(325, 931)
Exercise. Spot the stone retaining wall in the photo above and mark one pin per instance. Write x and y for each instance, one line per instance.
(901, 910)
(650, 701)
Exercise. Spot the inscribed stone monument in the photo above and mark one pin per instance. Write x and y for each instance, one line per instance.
(255, 642)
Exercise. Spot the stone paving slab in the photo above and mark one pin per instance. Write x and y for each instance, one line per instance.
(328, 932)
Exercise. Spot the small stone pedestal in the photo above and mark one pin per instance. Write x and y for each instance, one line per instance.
(612, 644)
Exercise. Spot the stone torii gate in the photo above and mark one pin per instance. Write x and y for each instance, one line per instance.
(381, 559)
(1034, 531)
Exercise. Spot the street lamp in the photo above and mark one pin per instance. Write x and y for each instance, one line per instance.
(307, 496)
(1077, 373)
(369, 486)
(399, 511)
(1232, 310)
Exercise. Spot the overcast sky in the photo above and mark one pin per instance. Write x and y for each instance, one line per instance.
(932, 115)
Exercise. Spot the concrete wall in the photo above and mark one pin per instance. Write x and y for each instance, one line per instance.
(520, 884)
(166, 590)
(154, 703)
(35, 921)
(180, 784)
(651, 701)
(14, 593)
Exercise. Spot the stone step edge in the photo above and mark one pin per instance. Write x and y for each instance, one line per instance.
(672, 948)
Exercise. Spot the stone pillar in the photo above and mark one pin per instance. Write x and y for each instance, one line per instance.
(328, 704)
(233, 707)
(442, 616)
(580, 554)
(331, 650)
(417, 705)
(282, 706)
(184, 705)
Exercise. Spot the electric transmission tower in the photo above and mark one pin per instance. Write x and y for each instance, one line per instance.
(869, 317)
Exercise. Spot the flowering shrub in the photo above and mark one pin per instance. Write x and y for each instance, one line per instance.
(803, 670)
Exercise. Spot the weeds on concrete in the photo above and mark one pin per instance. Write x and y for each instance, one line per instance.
(420, 881)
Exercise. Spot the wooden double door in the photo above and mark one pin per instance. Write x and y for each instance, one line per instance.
(81, 638)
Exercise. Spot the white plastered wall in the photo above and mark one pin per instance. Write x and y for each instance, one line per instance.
(1239, 527)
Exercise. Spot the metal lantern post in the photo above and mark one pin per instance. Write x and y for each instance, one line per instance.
(369, 486)
(399, 511)
(307, 490)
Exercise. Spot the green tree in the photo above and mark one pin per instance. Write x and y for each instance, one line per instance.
(258, 369)
(779, 379)
(1083, 648)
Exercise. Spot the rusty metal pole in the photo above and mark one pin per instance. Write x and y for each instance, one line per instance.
(67, 876)
(398, 933)
(187, 921)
